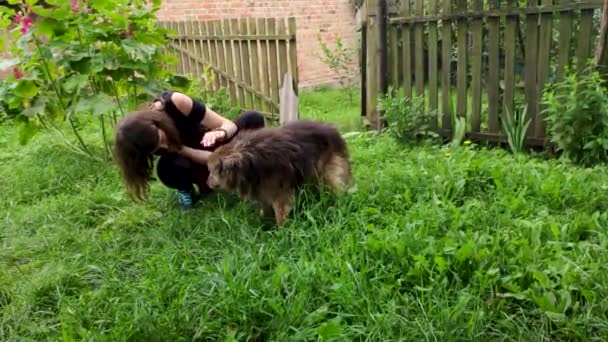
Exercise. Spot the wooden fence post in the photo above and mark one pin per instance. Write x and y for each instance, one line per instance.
(376, 60)
(601, 55)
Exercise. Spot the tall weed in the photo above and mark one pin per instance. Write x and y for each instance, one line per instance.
(406, 117)
(577, 116)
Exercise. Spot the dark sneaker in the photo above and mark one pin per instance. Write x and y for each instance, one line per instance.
(186, 199)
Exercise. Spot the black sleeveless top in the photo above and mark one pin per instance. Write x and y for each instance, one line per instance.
(189, 127)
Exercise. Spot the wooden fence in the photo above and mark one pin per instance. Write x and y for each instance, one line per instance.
(247, 57)
(482, 56)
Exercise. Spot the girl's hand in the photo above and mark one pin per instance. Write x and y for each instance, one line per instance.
(212, 137)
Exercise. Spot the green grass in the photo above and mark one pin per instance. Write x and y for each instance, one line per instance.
(468, 245)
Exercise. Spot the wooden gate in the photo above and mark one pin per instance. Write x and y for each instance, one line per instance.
(247, 57)
(477, 57)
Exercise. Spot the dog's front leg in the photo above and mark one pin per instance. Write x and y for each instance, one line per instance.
(282, 208)
(265, 209)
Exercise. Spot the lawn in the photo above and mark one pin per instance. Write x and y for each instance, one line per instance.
(429, 244)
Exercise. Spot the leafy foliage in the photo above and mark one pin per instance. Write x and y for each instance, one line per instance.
(516, 128)
(340, 61)
(473, 243)
(577, 116)
(76, 58)
(406, 117)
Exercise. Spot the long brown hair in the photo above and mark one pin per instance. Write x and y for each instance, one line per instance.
(136, 142)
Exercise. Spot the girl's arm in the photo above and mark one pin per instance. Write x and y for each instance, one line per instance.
(197, 156)
(221, 128)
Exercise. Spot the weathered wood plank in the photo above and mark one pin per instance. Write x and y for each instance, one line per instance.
(584, 40)
(236, 45)
(283, 58)
(565, 42)
(493, 69)
(531, 68)
(544, 60)
(245, 63)
(461, 69)
(509, 87)
(446, 66)
(180, 57)
(271, 27)
(372, 64)
(407, 50)
(230, 68)
(511, 11)
(433, 65)
(221, 53)
(255, 62)
(476, 68)
(393, 60)
(419, 48)
(293, 54)
(264, 70)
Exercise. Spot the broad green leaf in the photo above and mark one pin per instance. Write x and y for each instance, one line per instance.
(97, 105)
(27, 130)
(138, 51)
(26, 89)
(75, 82)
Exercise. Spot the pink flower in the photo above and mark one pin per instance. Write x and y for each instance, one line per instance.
(75, 6)
(27, 23)
(17, 73)
(18, 18)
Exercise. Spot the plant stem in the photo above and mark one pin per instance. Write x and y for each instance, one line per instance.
(122, 111)
(105, 138)
(54, 85)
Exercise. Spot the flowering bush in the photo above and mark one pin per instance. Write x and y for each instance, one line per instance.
(72, 58)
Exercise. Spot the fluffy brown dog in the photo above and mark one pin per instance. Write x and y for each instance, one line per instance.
(269, 164)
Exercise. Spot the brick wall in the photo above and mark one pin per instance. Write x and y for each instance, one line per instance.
(313, 18)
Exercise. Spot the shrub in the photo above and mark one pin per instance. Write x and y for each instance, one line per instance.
(80, 60)
(406, 117)
(577, 116)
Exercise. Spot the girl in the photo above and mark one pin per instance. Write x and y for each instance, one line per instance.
(183, 133)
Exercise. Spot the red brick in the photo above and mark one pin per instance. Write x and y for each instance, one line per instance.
(314, 18)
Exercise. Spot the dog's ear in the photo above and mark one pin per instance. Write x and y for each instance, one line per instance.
(230, 162)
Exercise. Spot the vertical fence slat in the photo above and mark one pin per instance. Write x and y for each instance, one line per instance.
(180, 54)
(544, 59)
(181, 29)
(461, 68)
(265, 79)
(273, 63)
(195, 47)
(565, 41)
(433, 70)
(493, 69)
(531, 42)
(206, 48)
(283, 67)
(584, 39)
(476, 66)
(255, 63)
(221, 52)
(216, 24)
(232, 86)
(189, 47)
(213, 55)
(419, 48)
(238, 77)
(293, 62)
(446, 66)
(393, 60)
(407, 49)
(245, 60)
(510, 45)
